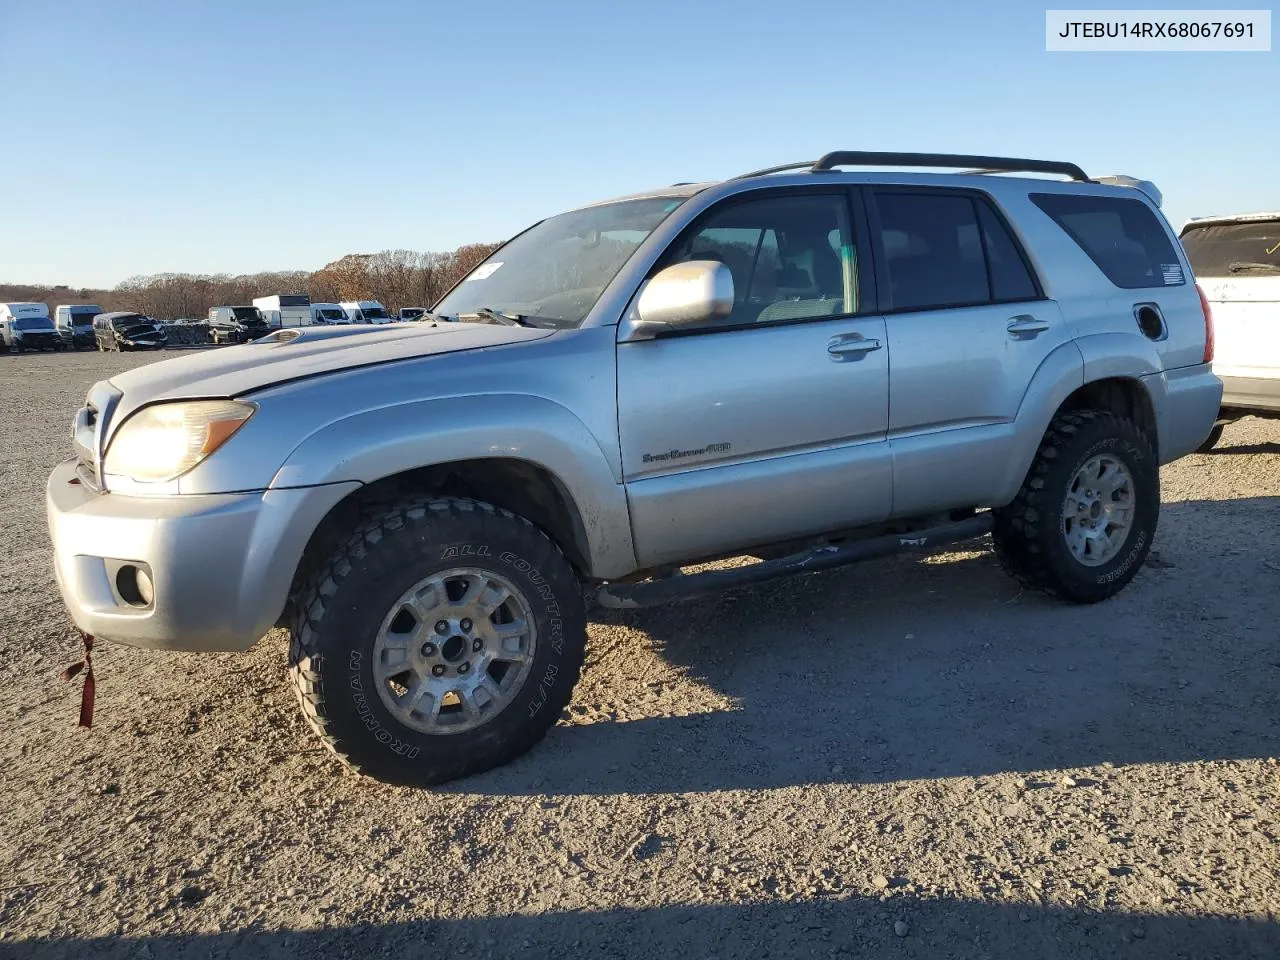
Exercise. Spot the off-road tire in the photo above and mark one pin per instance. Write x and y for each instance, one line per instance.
(338, 613)
(1212, 439)
(1028, 533)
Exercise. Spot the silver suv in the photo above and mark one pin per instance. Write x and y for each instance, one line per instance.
(804, 365)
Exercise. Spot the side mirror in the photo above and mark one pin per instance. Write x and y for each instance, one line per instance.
(686, 294)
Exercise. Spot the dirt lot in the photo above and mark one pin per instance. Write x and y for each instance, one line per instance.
(909, 759)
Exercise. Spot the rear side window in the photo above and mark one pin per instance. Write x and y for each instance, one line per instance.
(1122, 237)
(948, 250)
(1244, 249)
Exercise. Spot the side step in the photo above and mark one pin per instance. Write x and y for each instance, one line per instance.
(652, 593)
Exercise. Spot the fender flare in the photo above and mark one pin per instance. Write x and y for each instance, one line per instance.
(385, 441)
(1075, 364)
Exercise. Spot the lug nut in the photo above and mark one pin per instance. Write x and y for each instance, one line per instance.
(442, 627)
(477, 645)
(428, 649)
(465, 625)
(438, 670)
(464, 667)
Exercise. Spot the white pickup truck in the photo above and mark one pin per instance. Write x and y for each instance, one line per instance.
(1237, 261)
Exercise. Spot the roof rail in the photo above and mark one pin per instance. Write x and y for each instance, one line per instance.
(864, 158)
(805, 165)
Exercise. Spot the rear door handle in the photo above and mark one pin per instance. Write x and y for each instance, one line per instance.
(1027, 324)
(851, 345)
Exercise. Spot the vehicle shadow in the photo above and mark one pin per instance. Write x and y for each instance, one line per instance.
(942, 666)
(898, 926)
(1246, 448)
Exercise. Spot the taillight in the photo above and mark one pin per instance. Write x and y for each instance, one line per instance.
(1208, 325)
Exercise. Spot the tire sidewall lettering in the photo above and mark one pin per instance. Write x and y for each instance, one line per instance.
(1136, 462)
(539, 687)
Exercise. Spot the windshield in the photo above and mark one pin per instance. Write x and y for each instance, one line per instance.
(83, 317)
(558, 269)
(1253, 247)
(249, 314)
(132, 320)
(374, 313)
(32, 323)
(411, 313)
(331, 313)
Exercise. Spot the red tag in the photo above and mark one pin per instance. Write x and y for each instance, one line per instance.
(90, 686)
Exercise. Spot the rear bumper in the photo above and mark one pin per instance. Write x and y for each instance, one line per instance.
(221, 565)
(1251, 393)
(1186, 402)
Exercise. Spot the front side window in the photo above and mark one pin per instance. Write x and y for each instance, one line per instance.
(554, 272)
(791, 257)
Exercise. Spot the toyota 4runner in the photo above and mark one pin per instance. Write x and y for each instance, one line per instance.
(806, 365)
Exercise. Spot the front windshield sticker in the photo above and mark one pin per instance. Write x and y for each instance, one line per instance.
(484, 271)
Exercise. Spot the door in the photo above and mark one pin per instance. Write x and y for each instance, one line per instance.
(970, 327)
(770, 424)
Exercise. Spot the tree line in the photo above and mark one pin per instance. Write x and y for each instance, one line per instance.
(395, 278)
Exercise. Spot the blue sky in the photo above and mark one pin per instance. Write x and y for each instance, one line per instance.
(235, 136)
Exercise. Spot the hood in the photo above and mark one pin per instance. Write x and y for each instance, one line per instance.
(304, 352)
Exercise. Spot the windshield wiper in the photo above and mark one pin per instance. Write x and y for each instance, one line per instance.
(510, 319)
(1249, 266)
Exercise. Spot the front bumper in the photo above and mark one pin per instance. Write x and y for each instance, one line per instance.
(221, 565)
(1186, 402)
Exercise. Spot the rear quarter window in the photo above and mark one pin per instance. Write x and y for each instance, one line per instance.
(1124, 238)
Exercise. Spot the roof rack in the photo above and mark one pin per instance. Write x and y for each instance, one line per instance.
(866, 158)
(841, 158)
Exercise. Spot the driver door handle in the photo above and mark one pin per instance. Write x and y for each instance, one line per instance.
(851, 345)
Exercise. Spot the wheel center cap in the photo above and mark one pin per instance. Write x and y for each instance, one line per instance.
(454, 649)
(1095, 511)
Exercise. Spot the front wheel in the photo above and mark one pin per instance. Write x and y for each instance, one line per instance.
(1082, 524)
(441, 640)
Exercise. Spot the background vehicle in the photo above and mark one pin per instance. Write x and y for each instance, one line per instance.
(1237, 261)
(285, 310)
(693, 373)
(366, 311)
(128, 330)
(328, 313)
(237, 324)
(409, 314)
(26, 326)
(74, 322)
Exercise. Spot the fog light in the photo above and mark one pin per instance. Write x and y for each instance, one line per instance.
(134, 585)
(146, 591)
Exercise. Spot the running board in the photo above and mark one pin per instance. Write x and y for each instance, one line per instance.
(652, 593)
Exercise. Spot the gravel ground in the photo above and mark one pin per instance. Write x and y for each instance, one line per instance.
(903, 759)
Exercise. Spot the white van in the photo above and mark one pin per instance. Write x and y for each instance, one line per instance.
(1236, 259)
(26, 326)
(366, 311)
(74, 323)
(324, 313)
(285, 310)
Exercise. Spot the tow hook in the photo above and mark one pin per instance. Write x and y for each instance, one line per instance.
(90, 686)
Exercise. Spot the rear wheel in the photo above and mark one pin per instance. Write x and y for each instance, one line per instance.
(1082, 524)
(441, 640)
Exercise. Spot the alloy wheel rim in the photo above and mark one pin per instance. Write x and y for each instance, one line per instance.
(1097, 512)
(454, 650)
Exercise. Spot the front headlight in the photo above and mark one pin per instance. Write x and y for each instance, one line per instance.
(164, 441)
